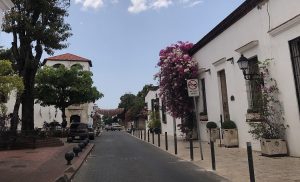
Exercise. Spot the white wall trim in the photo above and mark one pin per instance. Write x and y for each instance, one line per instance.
(247, 46)
(220, 61)
(285, 26)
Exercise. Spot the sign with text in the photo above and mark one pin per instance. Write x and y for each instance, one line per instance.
(193, 87)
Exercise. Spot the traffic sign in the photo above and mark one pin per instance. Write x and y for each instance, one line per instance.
(193, 87)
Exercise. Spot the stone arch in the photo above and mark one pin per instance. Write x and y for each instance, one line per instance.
(78, 66)
(57, 65)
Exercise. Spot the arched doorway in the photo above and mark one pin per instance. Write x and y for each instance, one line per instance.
(75, 119)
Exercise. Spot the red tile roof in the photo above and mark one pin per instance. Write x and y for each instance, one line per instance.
(67, 57)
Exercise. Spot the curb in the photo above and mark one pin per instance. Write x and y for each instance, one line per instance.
(70, 172)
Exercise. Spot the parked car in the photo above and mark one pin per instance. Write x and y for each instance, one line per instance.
(116, 126)
(78, 131)
(91, 133)
(107, 127)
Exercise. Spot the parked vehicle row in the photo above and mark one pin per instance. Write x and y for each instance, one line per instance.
(80, 131)
(113, 127)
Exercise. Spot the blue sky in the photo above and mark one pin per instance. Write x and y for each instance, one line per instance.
(123, 37)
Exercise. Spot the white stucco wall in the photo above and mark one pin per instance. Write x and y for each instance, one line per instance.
(4, 5)
(165, 127)
(254, 26)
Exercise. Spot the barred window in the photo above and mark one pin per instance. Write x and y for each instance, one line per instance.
(295, 57)
(254, 87)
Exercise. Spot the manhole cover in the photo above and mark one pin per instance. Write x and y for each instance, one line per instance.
(18, 166)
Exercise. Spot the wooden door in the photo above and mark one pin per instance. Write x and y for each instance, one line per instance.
(224, 95)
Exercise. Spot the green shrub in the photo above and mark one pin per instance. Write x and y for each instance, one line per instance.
(211, 125)
(228, 125)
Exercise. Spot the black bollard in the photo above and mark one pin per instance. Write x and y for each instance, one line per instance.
(145, 134)
(213, 159)
(148, 135)
(175, 143)
(152, 137)
(141, 134)
(69, 156)
(158, 139)
(76, 150)
(191, 148)
(166, 140)
(250, 162)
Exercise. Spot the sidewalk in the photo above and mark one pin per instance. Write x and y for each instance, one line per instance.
(232, 163)
(41, 164)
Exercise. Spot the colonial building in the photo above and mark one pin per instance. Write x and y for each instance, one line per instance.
(4, 5)
(259, 30)
(74, 113)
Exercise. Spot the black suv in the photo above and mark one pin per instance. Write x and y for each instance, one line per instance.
(78, 131)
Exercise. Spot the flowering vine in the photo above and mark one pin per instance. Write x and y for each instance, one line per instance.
(176, 66)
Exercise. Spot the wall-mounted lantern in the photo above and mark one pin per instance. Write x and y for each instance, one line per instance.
(243, 63)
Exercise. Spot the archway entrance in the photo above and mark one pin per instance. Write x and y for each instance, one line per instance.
(75, 119)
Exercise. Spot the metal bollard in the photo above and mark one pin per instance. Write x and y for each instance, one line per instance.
(152, 137)
(158, 138)
(148, 136)
(141, 134)
(213, 158)
(166, 140)
(191, 148)
(250, 162)
(145, 135)
(175, 143)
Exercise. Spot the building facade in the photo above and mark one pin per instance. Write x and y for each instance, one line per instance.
(4, 5)
(154, 103)
(74, 113)
(259, 30)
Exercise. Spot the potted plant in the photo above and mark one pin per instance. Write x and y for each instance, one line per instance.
(203, 116)
(212, 129)
(253, 115)
(230, 134)
(271, 130)
(154, 124)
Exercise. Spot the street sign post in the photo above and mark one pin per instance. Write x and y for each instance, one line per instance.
(193, 91)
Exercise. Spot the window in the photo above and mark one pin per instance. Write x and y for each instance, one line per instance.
(254, 87)
(203, 94)
(78, 66)
(295, 57)
(57, 65)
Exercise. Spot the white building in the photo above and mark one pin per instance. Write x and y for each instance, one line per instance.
(77, 113)
(4, 5)
(166, 119)
(258, 29)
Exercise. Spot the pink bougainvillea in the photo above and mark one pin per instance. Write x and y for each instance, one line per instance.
(176, 66)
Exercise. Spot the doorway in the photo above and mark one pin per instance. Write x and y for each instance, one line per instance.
(224, 97)
(75, 119)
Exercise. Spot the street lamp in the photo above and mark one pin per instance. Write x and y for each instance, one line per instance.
(243, 63)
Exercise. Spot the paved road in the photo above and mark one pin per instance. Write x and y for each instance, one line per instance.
(119, 157)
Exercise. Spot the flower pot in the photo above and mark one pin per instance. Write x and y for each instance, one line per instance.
(253, 117)
(230, 138)
(213, 134)
(273, 147)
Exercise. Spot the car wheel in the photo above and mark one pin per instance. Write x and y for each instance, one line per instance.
(92, 137)
(69, 140)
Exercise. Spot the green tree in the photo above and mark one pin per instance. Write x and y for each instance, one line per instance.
(62, 87)
(9, 81)
(36, 26)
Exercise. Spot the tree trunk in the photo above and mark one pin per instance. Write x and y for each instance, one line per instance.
(64, 120)
(28, 101)
(14, 121)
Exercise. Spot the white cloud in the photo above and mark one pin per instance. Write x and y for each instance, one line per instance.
(191, 3)
(86, 4)
(138, 6)
(157, 4)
